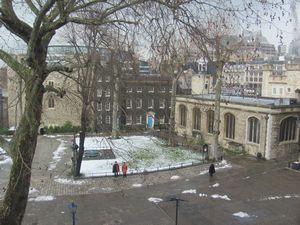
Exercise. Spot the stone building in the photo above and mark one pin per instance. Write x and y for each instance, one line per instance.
(3, 98)
(56, 109)
(143, 100)
(263, 126)
(281, 80)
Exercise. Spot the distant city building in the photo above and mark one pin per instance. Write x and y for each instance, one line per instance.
(294, 48)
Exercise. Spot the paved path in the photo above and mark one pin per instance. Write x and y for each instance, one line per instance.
(265, 190)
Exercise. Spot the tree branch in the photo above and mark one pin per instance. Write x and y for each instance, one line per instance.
(23, 71)
(13, 23)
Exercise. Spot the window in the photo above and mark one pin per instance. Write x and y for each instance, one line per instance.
(162, 119)
(162, 90)
(281, 91)
(128, 90)
(253, 130)
(128, 119)
(288, 129)
(274, 91)
(210, 121)
(99, 92)
(182, 114)
(139, 90)
(107, 106)
(107, 119)
(139, 119)
(229, 125)
(289, 90)
(150, 103)
(151, 90)
(51, 83)
(196, 119)
(107, 78)
(107, 92)
(99, 119)
(128, 103)
(51, 102)
(139, 103)
(162, 103)
(99, 106)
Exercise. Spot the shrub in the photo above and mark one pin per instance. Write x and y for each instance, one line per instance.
(66, 128)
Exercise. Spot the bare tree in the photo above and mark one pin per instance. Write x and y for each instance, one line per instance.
(45, 19)
(170, 47)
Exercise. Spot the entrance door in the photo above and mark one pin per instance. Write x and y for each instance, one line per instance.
(150, 121)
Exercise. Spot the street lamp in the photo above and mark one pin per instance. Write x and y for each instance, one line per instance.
(177, 206)
(73, 208)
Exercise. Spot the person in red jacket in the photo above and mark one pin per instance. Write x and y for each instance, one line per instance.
(116, 169)
(124, 169)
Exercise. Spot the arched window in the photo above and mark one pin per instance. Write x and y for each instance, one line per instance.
(196, 119)
(253, 130)
(210, 121)
(288, 129)
(229, 125)
(51, 102)
(182, 114)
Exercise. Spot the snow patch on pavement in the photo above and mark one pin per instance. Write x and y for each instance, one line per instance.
(69, 181)
(42, 199)
(60, 151)
(289, 196)
(191, 191)
(215, 185)
(225, 197)
(175, 177)
(218, 166)
(137, 185)
(241, 214)
(32, 190)
(155, 200)
(202, 195)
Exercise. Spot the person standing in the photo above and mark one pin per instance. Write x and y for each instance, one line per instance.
(124, 169)
(116, 169)
(212, 169)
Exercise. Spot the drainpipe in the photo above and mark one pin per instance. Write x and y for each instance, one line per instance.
(268, 118)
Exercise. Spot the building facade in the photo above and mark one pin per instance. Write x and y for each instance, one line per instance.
(258, 126)
(3, 98)
(281, 80)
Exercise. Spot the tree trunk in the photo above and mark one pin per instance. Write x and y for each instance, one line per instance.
(216, 128)
(84, 123)
(115, 124)
(171, 141)
(22, 152)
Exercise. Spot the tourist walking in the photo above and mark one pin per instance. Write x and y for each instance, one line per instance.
(124, 169)
(212, 169)
(116, 169)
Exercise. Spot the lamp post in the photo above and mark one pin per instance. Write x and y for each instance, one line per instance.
(205, 150)
(73, 208)
(177, 206)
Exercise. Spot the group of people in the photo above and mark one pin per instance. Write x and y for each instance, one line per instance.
(116, 169)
